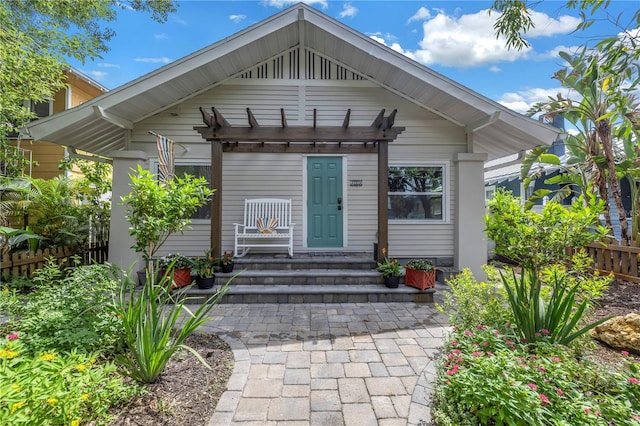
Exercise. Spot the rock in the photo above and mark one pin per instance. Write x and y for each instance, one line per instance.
(621, 332)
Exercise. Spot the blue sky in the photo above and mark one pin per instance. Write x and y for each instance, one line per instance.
(454, 38)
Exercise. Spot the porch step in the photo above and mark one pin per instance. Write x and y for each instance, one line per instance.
(368, 293)
(307, 261)
(309, 278)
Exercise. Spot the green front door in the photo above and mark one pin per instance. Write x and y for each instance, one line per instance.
(324, 202)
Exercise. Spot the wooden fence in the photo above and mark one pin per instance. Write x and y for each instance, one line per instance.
(24, 263)
(621, 260)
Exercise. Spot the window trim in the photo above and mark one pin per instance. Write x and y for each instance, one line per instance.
(446, 192)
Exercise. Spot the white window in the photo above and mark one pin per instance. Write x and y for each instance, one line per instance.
(489, 193)
(417, 192)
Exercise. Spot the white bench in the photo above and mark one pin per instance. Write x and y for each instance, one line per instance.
(248, 234)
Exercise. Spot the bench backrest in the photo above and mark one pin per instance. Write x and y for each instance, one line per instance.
(267, 208)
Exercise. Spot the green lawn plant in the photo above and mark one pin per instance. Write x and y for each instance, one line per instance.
(469, 302)
(485, 377)
(57, 388)
(72, 311)
(156, 322)
(555, 318)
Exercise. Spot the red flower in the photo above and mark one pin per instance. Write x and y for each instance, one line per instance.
(543, 399)
(633, 380)
(12, 336)
(533, 386)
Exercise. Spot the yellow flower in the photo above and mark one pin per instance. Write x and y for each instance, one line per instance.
(81, 367)
(8, 354)
(92, 361)
(52, 401)
(48, 357)
(16, 406)
(75, 422)
(84, 396)
(3, 353)
(15, 386)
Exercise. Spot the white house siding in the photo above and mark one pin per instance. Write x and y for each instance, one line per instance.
(427, 138)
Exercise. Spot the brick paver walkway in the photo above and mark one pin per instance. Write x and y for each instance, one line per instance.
(328, 364)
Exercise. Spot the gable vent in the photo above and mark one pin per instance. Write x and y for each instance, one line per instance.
(311, 67)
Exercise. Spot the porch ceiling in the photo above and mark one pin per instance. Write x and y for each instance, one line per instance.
(101, 130)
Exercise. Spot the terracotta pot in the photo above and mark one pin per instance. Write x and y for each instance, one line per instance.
(420, 279)
(181, 277)
(392, 282)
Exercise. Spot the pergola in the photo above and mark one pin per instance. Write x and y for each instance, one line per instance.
(298, 139)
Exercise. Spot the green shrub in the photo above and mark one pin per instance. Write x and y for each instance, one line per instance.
(150, 322)
(485, 377)
(69, 313)
(469, 302)
(536, 240)
(56, 388)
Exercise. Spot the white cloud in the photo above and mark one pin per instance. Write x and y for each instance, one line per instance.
(237, 18)
(495, 69)
(348, 10)
(470, 41)
(284, 3)
(421, 15)
(98, 75)
(108, 65)
(179, 20)
(393, 46)
(546, 26)
(523, 100)
(160, 36)
(161, 60)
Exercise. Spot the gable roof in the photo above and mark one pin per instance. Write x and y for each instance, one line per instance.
(97, 126)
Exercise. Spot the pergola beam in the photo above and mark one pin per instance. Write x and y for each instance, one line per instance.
(219, 129)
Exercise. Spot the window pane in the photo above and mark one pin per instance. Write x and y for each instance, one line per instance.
(197, 170)
(41, 109)
(416, 179)
(410, 207)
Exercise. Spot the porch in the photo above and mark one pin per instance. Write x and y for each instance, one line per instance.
(313, 278)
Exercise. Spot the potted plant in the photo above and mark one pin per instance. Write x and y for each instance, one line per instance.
(390, 270)
(420, 273)
(206, 267)
(226, 262)
(178, 267)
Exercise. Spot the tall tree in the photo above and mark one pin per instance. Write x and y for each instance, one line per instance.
(602, 80)
(37, 37)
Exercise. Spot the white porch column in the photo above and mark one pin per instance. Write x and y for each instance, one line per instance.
(470, 249)
(120, 242)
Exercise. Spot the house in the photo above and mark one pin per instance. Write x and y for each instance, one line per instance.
(47, 155)
(399, 148)
(505, 173)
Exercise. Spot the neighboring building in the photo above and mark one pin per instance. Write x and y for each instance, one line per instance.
(415, 187)
(504, 173)
(48, 155)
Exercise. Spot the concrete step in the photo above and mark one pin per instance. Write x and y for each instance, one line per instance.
(368, 293)
(309, 278)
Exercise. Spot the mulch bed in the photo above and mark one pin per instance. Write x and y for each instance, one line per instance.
(187, 392)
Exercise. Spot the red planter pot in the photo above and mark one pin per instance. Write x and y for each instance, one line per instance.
(420, 279)
(180, 277)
